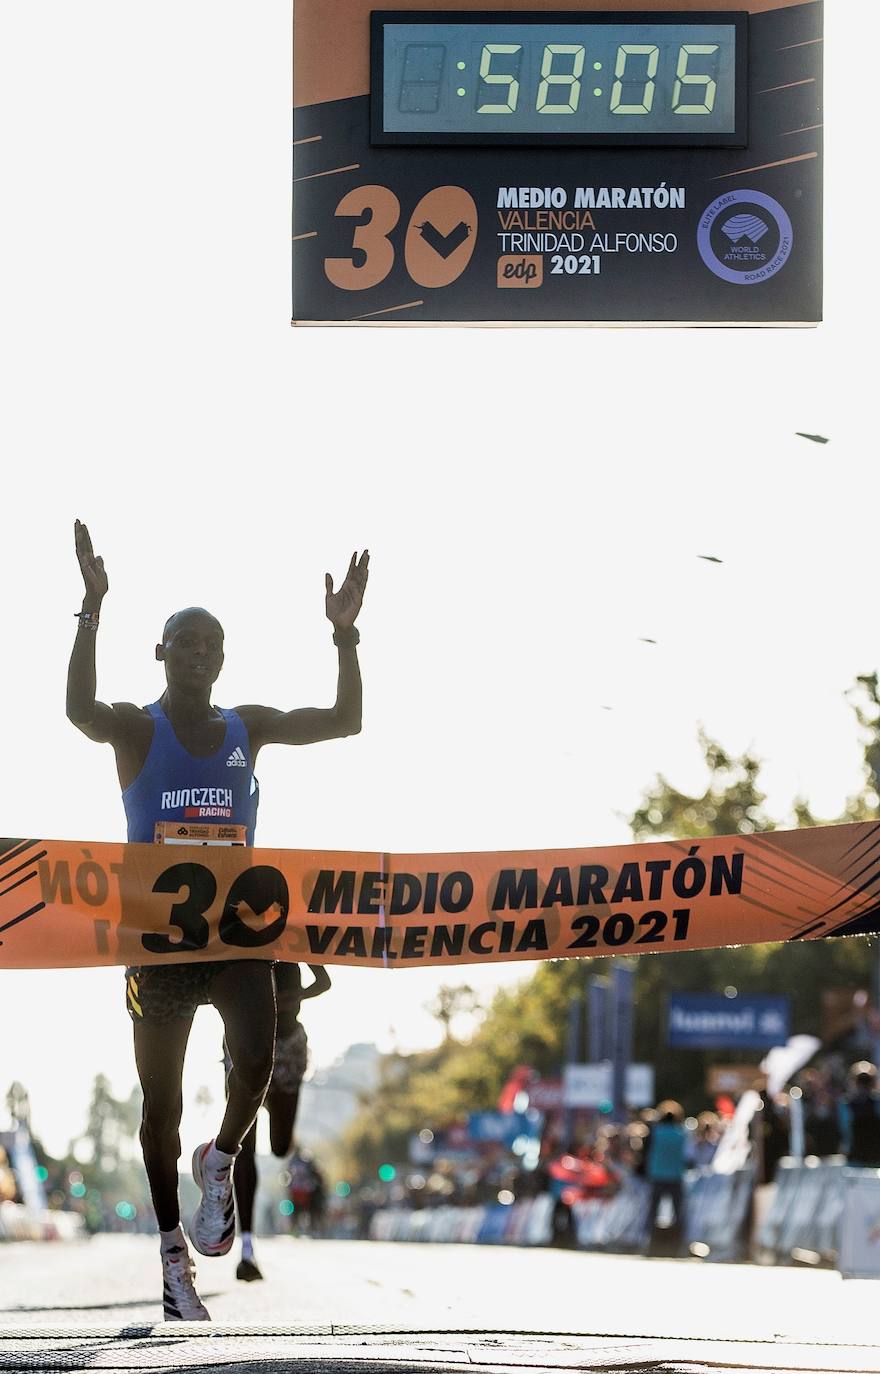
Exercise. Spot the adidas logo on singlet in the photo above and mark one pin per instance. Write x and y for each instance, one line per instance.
(236, 758)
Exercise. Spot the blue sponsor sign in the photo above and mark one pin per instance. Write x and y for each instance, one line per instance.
(503, 1127)
(708, 1021)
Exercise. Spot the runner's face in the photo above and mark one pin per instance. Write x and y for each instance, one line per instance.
(193, 652)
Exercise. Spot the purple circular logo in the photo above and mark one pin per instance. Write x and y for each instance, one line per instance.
(745, 237)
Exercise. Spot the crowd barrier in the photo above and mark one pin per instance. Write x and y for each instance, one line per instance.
(20, 1223)
(716, 1209)
(818, 1211)
(859, 1251)
(528, 1222)
(805, 1211)
(616, 1223)
(716, 1213)
(824, 1210)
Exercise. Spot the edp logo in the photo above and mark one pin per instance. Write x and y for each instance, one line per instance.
(520, 270)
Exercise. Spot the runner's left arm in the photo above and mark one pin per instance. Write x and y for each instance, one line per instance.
(308, 725)
(321, 983)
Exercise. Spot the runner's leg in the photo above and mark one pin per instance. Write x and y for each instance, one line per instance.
(159, 1051)
(282, 1117)
(244, 995)
(244, 1180)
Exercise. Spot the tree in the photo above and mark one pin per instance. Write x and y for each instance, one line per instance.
(111, 1123)
(102, 1164)
(864, 805)
(451, 1002)
(732, 803)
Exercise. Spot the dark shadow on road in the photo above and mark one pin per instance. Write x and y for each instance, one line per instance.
(151, 1301)
(78, 1361)
(193, 1349)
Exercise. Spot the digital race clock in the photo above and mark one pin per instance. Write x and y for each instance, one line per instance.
(556, 79)
(596, 163)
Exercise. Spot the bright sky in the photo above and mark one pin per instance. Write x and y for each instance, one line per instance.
(534, 503)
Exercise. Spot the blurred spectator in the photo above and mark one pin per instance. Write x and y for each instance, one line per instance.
(821, 1115)
(308, 1193)
(640, 1135)
(770, 1132)
(577, 1177)
(665, 1162)
(860, 1117)
(367, 1203)
(704, 1142)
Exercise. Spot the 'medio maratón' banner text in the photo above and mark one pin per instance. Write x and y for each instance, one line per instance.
(68, 905)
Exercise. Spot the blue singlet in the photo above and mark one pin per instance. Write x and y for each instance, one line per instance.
(173, 785)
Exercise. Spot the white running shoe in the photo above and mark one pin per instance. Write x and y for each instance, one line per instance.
(180, 1300)
(212, 1229)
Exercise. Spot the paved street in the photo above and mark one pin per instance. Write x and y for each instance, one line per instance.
(331, 1305)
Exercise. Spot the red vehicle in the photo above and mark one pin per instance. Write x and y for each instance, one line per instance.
(579, 1177)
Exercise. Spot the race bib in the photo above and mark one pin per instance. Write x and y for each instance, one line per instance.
(176, 832)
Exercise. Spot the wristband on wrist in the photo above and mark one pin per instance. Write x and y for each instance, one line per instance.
(88, 620)
(347, 638)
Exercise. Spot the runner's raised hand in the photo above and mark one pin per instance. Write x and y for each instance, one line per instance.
(343, 606)
(92, 568)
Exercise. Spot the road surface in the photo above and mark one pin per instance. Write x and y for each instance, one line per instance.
(358, 1307)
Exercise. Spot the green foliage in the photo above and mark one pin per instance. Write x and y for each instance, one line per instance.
(864, 805)
(451, 1002)
(732, 803)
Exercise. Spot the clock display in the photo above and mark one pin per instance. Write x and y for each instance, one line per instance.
(650, 79)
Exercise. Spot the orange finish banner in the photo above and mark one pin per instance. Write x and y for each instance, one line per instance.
(70, 905)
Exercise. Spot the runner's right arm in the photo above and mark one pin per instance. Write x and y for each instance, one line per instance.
(100, 722)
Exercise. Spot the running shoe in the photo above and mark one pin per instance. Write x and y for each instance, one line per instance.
(247, 1270)
(212, 1229)
(180, 1300)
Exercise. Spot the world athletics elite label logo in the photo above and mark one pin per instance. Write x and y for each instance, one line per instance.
(745, 237)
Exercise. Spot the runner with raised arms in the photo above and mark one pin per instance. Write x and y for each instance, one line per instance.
(178, 746)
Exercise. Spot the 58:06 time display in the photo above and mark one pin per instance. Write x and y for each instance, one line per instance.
(560, 79)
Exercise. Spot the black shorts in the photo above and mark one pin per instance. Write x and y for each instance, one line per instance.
(162, 993)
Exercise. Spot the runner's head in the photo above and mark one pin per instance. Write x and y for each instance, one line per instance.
(191, 649)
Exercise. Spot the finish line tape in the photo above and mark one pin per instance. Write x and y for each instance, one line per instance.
(70, 905)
